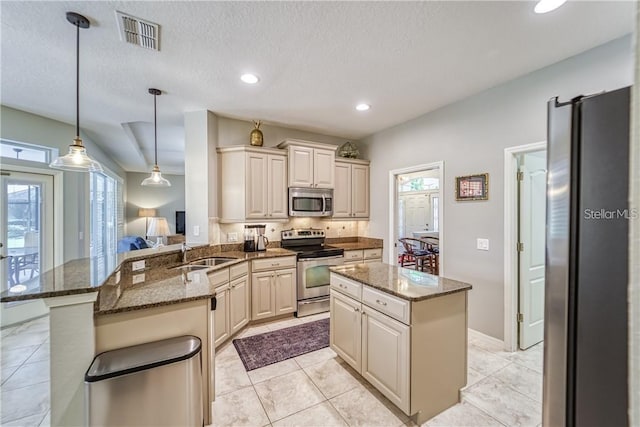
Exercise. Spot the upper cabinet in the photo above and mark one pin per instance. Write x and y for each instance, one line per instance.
(351, 194)
(311, 164)
(253, 183)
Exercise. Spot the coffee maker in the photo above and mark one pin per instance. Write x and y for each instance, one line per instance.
(261, 240)
(254, 238)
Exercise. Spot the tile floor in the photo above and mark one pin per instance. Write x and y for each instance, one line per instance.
(315, 389)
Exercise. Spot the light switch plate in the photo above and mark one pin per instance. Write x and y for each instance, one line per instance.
(137, 265)
(196, 230)
(232, 237)
(138, 278)
(482, 244)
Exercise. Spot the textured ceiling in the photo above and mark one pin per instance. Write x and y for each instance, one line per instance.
(316, 60)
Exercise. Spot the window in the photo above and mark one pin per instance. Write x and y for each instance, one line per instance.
(24, 151)
(107, 223)
(435, 203)
(417, 184)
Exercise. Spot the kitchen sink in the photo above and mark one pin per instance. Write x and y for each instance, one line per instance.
(210, 262)
(188, 268)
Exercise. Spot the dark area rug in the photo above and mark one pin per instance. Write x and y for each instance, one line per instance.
(272, 347)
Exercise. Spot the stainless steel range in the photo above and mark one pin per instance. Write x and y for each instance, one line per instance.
(314, 260)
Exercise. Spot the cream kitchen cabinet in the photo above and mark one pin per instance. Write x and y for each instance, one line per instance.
(356, 256)
(351, 194)
(253, 183)
(273, 287)
(232, 301)
(311, 164)
(346, 340)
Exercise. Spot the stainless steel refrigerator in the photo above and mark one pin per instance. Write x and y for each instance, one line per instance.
(585, 340)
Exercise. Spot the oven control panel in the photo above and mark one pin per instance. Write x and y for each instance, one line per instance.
(308, 233)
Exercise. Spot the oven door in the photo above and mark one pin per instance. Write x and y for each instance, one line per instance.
(313, 276)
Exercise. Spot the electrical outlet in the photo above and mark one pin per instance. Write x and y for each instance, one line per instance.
(232, 237)
(117, 277)
(138, 278)
(137, 265)
(482, 244)
(196, 230)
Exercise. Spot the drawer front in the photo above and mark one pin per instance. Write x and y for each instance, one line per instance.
(395, 307)
(273, 263)
(372, 253)
(238, 270)
(219, 277)
(353, 255)
(346, 286)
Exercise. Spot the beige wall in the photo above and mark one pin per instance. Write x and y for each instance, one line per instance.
(470, 137)
(165, 200)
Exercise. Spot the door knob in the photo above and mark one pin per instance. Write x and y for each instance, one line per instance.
(3, 257)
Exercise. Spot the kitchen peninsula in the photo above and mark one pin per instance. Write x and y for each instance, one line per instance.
(404, 331)
(90, 314)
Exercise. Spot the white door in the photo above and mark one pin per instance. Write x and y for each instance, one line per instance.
(221, 324)
(26, 236)
(360, 191)
(323, 164)
(417, 214)
(257, 182)
(285, 291)
(345, 329)
(300, 166)
(277, 176)
(342, 192)
(239, 304)
(532, 222)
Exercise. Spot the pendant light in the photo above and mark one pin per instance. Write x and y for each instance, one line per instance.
(77, 159)
(156, 179)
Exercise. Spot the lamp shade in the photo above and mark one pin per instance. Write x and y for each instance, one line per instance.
(146, 212)
(158, 227)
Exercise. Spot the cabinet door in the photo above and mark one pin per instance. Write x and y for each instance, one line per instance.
(238, 304)
(385, 356)
(285, 286)
(360, 191)
(342, 192)
(345, 329)
(323, 168)
(256, 190)
(221, 315)
(262, 295)
(300, 166)
(277, 188)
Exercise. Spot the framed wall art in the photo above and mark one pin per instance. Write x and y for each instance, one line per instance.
(472, 187)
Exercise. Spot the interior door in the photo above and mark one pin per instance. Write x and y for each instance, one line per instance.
(26, 236)
(532, 220)
(417, 214)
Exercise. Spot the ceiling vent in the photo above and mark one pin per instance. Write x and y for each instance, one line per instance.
(138, 31)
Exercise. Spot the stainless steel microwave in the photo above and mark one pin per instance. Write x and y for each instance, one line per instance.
(310, 201)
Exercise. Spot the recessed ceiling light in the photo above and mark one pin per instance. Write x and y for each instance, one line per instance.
(363, 107)
(545, 6)
(249, 78)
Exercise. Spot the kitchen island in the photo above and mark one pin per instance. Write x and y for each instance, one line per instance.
(404, 331)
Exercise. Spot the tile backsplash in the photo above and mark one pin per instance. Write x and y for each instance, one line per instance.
(219, 233)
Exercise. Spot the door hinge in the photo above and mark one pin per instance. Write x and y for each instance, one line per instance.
(520, 247)
(520, 318)
(520, 176)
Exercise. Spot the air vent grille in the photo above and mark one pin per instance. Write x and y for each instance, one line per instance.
(138, 31)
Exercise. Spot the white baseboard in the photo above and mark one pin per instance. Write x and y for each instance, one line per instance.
(487, 338)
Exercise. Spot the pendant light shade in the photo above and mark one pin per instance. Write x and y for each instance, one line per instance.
(76, 159)
(156, 179)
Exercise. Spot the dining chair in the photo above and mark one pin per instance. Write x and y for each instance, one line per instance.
(414, 252)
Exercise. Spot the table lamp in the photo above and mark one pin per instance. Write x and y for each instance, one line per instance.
(158, 227)
(146, 213)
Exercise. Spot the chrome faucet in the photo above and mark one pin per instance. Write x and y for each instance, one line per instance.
(184, 248)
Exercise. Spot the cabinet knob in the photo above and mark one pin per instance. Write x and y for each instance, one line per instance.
(356, 309)
(381, 302)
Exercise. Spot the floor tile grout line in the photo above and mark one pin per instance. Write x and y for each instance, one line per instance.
(486, 413)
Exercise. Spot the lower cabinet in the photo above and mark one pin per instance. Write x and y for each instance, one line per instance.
(375, 345)
(232, 302)
(273, 293)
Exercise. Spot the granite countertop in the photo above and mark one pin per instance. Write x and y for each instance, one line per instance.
(82, 275)
(404, 283)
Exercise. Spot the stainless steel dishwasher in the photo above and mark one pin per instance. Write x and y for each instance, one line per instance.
(153, 384)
